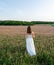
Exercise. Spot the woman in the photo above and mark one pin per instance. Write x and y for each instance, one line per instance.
(30, 42)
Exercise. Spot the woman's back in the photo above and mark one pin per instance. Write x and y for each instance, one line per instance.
(30, 43)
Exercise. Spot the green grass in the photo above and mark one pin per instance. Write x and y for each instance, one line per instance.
(52, 24)
(13, 50)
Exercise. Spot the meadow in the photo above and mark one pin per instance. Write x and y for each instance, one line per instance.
(13, 50)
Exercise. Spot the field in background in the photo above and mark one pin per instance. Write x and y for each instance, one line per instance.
(13, 45)
(38, 29)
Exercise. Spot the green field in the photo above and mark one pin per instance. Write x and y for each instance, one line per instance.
(13, 50)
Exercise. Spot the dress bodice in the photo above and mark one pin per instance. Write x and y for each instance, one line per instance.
(29, 36)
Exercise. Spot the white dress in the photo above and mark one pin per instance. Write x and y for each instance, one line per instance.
(30, 45)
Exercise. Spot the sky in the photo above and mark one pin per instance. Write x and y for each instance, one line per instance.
(27, 10)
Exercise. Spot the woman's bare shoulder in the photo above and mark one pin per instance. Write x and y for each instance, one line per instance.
(33, 34)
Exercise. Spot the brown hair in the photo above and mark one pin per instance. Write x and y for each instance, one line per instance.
(29, 30)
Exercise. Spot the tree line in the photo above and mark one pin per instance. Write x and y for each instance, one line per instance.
(12, 22)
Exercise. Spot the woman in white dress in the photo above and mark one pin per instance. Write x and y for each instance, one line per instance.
(30, 42)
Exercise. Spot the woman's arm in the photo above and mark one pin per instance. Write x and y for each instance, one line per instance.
(33, 34)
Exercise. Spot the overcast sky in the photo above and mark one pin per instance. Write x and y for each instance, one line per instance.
(39, 10)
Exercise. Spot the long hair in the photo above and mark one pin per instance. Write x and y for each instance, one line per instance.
(29, 30)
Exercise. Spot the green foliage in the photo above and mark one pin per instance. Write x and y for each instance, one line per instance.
(43, 22)
(7, 22)
(12, 22)
(13, 50)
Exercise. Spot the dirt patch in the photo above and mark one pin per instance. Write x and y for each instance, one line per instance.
(38, 29)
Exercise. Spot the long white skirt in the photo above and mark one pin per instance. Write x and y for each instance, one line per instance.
(30, 45)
